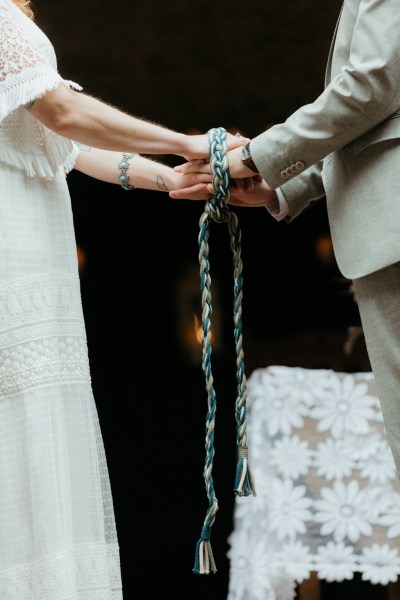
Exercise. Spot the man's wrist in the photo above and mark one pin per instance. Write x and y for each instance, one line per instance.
(247, 159)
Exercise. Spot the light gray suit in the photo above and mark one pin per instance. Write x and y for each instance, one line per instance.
(352, 134)
(346, 146)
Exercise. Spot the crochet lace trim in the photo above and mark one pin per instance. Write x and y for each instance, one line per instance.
(28, 69)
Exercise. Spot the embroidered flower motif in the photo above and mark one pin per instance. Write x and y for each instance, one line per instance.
(380, 564)
(302, 385)
(380, 467)
(245, 511)
(335, 562)
(378, 500)
(391, 518)
(259, 442)
(283, 414)
(346, 406)
(281, 396)
(333, 460)
(342, 512)
(289, 509)
(362, 445)
(292, 456)
(295, 559)
(251, 567)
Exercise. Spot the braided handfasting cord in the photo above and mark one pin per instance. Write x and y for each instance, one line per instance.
(217, 210)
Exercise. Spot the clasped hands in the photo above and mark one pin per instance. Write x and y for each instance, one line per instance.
(246, 189)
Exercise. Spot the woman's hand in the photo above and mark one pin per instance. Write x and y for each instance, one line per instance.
(196, 185)
(197, 147)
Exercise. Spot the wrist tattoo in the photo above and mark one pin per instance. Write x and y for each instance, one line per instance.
(30, 105)
(161, 184)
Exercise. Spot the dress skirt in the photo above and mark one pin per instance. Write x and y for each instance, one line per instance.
(58, 538)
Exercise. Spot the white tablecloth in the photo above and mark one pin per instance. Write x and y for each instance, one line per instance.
(327, 492)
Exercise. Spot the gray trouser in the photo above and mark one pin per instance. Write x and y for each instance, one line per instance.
(378, 297)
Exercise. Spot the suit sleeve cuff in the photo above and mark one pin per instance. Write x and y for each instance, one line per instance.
(280, 209)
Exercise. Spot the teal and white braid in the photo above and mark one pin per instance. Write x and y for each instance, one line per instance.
(217, 210)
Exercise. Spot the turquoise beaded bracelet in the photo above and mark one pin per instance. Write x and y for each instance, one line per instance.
(123, 167)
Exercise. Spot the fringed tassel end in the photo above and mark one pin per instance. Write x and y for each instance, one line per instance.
(204, 562)
(244, 481)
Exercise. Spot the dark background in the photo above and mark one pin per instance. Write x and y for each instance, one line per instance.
(192, 65)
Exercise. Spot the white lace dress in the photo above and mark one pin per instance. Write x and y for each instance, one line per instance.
(58, 537)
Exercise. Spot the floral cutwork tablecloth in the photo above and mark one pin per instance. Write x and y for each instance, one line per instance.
(327, 492)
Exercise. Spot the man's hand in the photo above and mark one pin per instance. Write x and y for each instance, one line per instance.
(204, 191)
(236, 167)
(247, 192)
(256, 195)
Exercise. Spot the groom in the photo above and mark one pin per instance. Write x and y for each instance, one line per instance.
(345, 146)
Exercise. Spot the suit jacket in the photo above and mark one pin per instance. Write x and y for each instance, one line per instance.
(346, 144)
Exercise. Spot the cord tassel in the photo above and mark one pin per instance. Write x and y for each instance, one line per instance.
(204, 559)
(244, 481)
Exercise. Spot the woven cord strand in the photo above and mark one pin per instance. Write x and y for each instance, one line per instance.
(216, 210)
(204, 561)
(244, 481)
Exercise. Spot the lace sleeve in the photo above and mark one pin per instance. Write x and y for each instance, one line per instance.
(28, 66)
(28, 69)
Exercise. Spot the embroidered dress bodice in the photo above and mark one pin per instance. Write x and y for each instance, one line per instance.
(28, 68)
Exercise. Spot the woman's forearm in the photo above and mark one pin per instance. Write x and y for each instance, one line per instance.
(143, 172)
(96, 124)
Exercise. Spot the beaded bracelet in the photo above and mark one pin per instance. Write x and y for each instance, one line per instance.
(123, 167)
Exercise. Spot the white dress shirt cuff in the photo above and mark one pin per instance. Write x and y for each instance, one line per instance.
(280, 209)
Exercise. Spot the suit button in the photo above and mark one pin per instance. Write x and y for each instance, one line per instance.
(284, 175)
(293, 169)
(300, 165)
